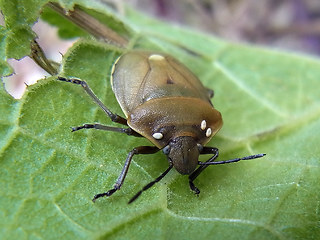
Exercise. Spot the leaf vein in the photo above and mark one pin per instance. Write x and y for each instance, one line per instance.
(245, 88)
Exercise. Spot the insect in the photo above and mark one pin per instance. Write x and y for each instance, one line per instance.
(164, 102)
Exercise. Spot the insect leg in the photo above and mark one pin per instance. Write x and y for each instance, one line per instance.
(114, 117)
(150, 184)
(195, 174)
(128, 131)
(203, 165)
(210, 92)
(123, 174)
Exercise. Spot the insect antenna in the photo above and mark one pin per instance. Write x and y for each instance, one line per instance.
(233, 160)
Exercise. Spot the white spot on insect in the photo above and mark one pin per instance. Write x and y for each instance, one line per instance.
(156, 57)
(208, 132)
(203, 124)
(157, 135)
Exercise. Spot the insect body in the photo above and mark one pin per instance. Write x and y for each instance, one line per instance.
(164, 102)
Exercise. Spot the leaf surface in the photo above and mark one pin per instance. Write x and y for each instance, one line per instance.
(269, 102)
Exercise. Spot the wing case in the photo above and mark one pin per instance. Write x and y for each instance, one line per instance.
(139, 76)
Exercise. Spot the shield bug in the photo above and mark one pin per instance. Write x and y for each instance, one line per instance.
(166, 103)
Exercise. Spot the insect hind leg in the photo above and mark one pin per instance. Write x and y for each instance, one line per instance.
(114, 117)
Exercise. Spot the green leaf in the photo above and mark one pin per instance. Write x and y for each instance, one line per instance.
(5, 69)
(66, 28)
(269, 102)
(19, 17)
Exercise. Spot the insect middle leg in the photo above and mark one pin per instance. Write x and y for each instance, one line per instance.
(128, 131)
(123, 174)
(114, 117)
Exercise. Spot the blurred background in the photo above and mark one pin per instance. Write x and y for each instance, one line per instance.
(292, 25)
(288, 24)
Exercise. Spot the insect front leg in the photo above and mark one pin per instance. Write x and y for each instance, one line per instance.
(210, 92)
(204, 165)
(114, 117)
(123, 174)
(195, 174)
(150, 184)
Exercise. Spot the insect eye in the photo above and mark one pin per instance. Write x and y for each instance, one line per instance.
(166, 150)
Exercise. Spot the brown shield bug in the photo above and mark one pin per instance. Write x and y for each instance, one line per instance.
(166, 103)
